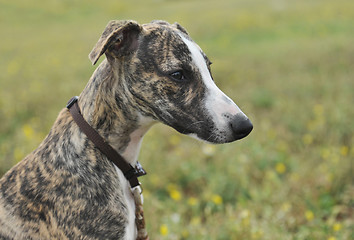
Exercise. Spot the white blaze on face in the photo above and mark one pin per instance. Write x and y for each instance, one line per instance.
(216, 102)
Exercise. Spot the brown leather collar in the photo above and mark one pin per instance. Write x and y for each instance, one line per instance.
(130, 173)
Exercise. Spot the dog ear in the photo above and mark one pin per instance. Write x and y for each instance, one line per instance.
(179, 27)
(118, 39)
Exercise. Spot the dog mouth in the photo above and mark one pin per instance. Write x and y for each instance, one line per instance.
(211, 127)
(237, 128)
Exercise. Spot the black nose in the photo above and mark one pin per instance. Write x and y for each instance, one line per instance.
(241, 126)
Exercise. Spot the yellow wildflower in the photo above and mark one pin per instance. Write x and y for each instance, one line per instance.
(217, 199)
(337, 227)
(175, 194)
(309, 215)
(28, 131)
(195, 221)
(331, 238)
(192, 201)
(280, 168)
(164, 230)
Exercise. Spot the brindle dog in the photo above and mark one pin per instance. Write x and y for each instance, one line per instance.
(66, 188)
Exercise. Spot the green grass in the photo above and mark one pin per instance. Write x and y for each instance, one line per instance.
(287, 64)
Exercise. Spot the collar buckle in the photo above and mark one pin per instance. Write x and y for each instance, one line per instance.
(71, 102)
(139, 170)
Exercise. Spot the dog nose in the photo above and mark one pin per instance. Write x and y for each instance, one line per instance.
(241, 126)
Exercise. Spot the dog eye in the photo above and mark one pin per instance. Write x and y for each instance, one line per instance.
(178, 76)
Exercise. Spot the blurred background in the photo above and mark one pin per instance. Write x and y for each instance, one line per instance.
(289, 65)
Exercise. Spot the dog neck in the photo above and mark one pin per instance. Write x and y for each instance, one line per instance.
(106, 105)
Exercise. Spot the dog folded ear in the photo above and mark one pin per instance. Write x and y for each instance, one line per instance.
(179, 27)
(118, 39)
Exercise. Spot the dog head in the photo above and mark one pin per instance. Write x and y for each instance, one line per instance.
(168, 79)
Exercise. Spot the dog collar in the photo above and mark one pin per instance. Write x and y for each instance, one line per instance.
(131, 173)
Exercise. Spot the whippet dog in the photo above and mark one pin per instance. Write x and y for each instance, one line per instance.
(67, 188)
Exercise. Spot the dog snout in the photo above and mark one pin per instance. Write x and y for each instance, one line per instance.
(241, 126)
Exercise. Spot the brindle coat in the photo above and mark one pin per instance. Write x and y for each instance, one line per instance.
(66, 188)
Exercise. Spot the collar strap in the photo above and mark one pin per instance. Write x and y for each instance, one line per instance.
(130, 173)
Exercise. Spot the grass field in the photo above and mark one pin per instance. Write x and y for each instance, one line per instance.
(288, 64)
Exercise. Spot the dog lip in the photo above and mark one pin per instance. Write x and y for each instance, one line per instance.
(240, 136)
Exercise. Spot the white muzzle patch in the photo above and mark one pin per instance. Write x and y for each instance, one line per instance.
(230, 122)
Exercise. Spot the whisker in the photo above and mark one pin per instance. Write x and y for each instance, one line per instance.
(198, 122)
